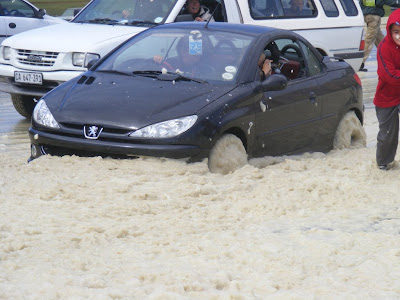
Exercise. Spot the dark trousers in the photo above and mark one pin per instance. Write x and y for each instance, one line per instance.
(388, 135)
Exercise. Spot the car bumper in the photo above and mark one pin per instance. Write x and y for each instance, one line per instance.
(48, 143)
(51, 80)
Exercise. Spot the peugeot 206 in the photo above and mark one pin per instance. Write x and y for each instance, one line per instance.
(195, 90)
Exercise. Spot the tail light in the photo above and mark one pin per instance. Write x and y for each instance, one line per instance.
(362, 45)
(357, 79)
(362, 42)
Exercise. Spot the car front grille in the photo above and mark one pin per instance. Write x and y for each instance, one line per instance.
(108, 133)
(36, 58)
(57, 151)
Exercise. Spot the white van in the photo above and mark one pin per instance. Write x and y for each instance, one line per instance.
(35, 62)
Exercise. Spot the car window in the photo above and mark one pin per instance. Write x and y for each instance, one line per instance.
(266, 9)
(349, 7)
(330, 8)
(312, 62)
(125, 11)
(202, 54)
(287, 58)
(16, 8)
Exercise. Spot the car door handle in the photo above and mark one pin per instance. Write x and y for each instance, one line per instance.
(12, 25)
(313, 97)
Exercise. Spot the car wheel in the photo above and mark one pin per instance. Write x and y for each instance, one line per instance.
(350, 133)
(227, 155)
(24, 105)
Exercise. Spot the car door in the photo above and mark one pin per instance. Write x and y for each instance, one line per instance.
(3, 30)
(19, 16)
(288, 120)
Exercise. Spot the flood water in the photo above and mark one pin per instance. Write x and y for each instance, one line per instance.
(314, 226)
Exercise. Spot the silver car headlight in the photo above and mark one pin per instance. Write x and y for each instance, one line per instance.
(81, 59)
(42, 115)
(6, 52)
(166, 129)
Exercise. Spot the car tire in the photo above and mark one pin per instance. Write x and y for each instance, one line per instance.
(23, 104)
(227, 155)
(350, 133)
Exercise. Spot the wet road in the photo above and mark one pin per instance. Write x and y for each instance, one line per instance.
(14, 128)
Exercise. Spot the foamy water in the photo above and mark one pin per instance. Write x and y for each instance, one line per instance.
(315, 226)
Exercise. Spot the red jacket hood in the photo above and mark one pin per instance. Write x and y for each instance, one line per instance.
(394, 18)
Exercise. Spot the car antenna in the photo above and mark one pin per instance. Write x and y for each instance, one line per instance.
(212, 15)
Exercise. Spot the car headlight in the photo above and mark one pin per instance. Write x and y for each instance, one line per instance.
(6, 53)
(81, 59)
(42, 115)
(166, 129)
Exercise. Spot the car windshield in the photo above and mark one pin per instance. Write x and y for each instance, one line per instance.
(126, 12)
(203, 55)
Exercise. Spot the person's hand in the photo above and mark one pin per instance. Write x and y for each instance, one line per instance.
(267, 67)
(126, 13)
(198, 19)
(158, 59)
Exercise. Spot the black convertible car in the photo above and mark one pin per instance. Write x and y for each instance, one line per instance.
(195, 90)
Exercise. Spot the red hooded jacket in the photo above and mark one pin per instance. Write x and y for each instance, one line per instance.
(388, 57)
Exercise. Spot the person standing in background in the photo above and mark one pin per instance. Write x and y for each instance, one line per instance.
(373, 12)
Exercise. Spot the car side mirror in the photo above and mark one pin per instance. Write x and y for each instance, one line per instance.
(92, 63)
(40, 13)
(274, 82)
(184, 18)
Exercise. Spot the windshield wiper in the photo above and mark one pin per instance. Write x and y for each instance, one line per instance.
(169, 76)
(185, 78)
(141, 22)
(114, 72)
(147, 73)
(103, 21)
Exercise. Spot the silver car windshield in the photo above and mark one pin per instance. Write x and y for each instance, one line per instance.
(126, 12)
(202, 54)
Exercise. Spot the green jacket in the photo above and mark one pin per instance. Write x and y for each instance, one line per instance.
(377, 7)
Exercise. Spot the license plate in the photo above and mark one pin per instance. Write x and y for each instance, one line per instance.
(28, 77)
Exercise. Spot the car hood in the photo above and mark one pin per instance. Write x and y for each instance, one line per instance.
(72, 37)
(129, 102)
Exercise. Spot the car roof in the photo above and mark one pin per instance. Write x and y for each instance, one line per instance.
(228, 27)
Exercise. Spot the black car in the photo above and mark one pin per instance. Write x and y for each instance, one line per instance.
(195, 90)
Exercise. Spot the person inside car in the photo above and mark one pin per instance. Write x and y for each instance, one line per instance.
(147, 9)
(188, 60)
(296, 8)
(199, 12)
(264, 65)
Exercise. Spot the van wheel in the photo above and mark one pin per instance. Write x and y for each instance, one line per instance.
(23, 104)
(350, 133)
(227, 155)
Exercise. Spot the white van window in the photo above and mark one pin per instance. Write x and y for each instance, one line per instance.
(330, 8)
(265, 9)
(16, 8)
(349, 7)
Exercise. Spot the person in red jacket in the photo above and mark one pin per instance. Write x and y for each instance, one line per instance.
(387, 96)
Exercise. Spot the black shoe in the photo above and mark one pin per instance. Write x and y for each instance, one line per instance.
(362, 68)
(383, 167)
